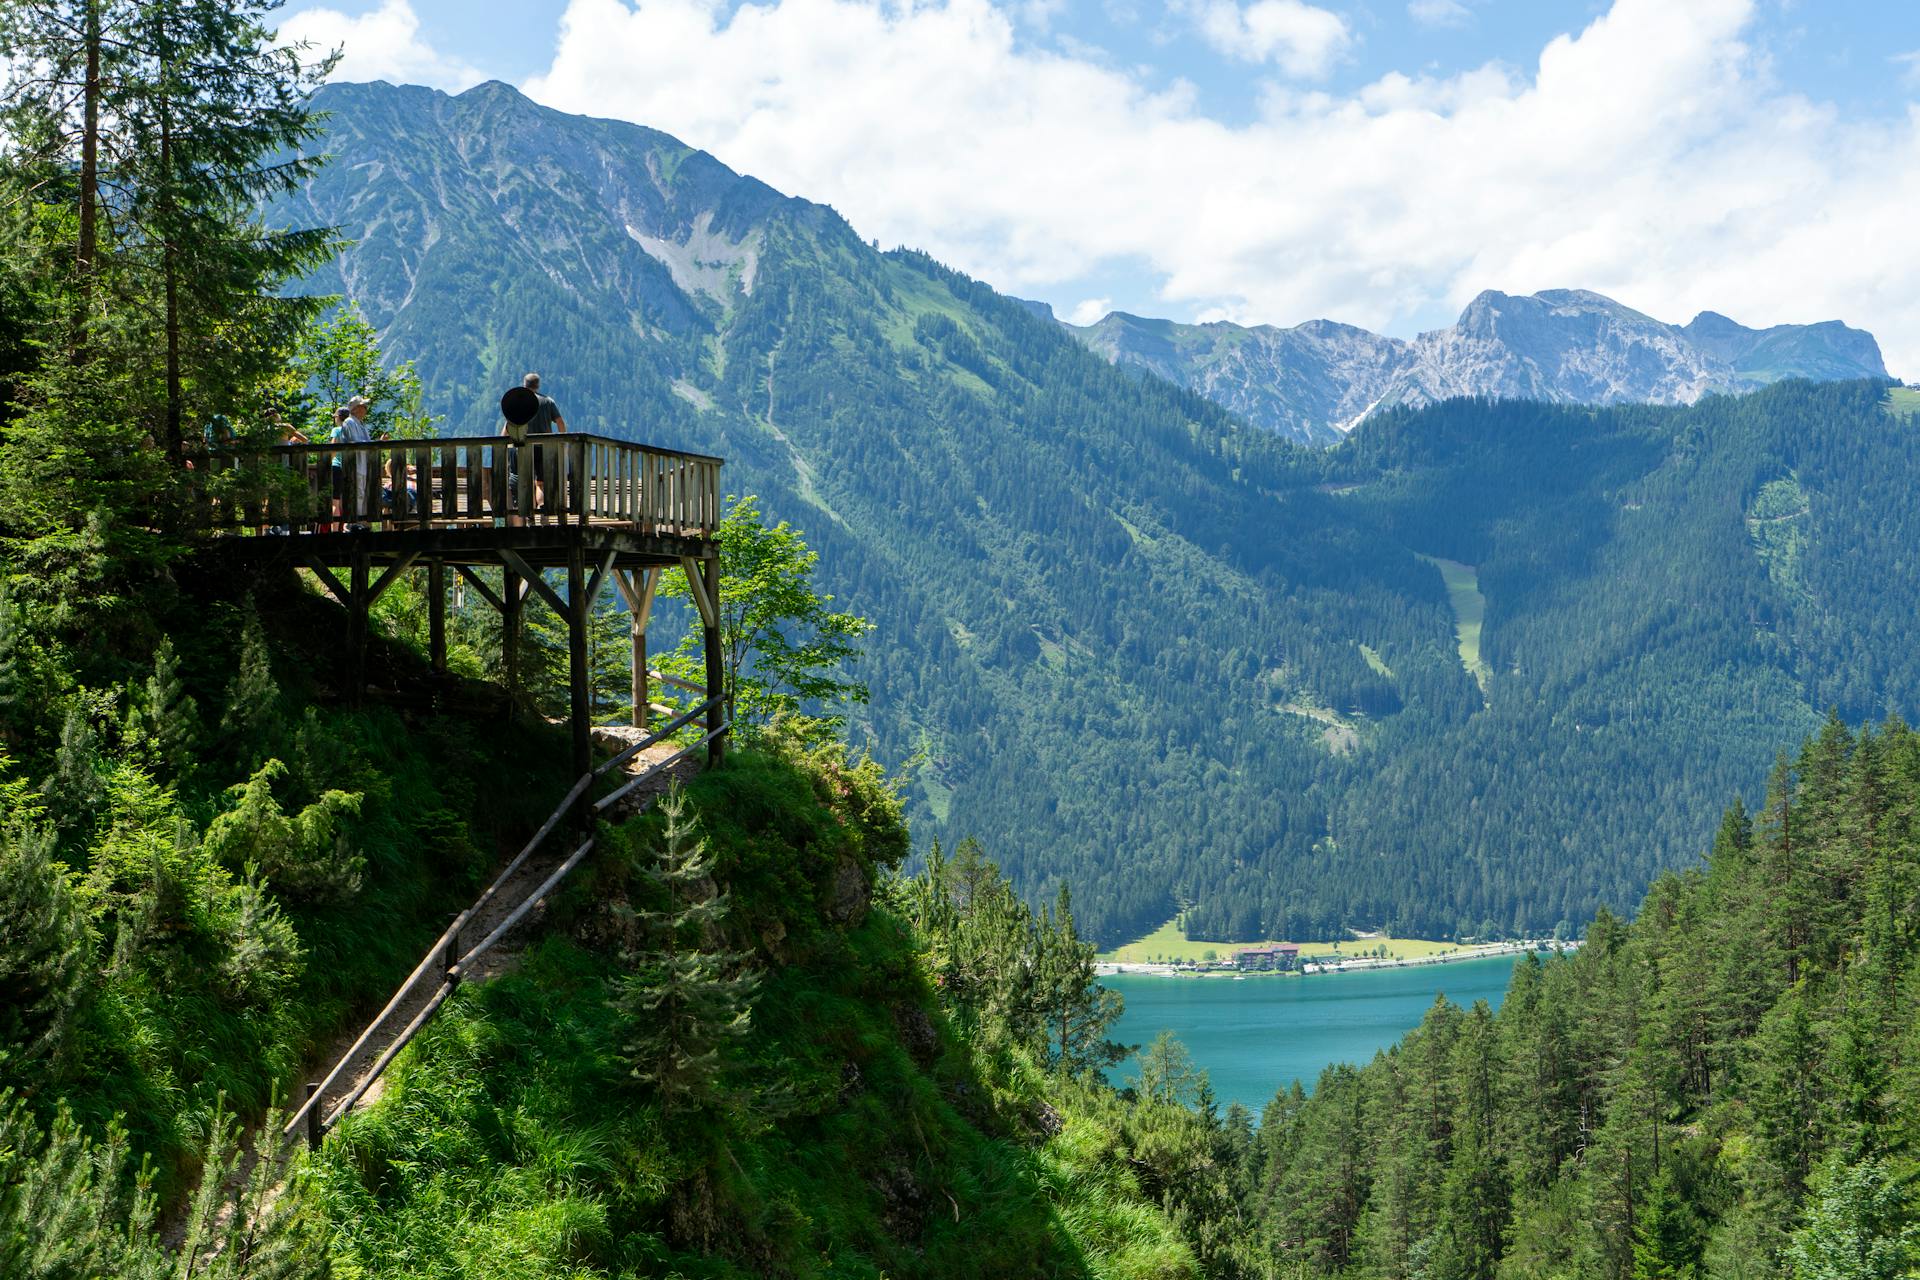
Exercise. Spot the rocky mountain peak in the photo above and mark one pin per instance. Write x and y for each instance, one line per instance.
(1570, 346)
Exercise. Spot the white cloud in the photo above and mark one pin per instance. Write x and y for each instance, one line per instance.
(1649, 156)
(383, 44)
(1439, 13)
(1089, 310)
(1910, 64)
(1301, 39)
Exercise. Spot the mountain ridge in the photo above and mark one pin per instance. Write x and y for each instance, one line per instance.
(1315, 381)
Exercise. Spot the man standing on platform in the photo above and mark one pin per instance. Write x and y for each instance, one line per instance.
(546, 421)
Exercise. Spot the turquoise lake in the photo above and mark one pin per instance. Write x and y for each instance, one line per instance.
(1258, 1035)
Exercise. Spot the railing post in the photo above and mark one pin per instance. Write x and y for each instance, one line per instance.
(450, 972)
(579, 478)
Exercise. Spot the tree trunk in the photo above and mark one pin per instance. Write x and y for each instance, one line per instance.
(89, 184)
(171, 268)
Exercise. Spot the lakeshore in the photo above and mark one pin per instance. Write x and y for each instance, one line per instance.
(1327, 962)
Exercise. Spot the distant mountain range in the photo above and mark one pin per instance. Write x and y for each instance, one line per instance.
(1563, 346)
(1126, 638)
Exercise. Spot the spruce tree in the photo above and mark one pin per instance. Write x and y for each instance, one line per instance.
(17, 708)
(253, 696)
(1787, 1099)
(75, 792)
(1666, 1234)
(45, 952)
(166, 718)
(684, 996)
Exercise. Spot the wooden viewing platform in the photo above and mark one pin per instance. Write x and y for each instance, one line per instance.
(599, 509)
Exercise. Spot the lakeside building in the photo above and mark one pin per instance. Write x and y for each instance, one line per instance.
(1286, 956)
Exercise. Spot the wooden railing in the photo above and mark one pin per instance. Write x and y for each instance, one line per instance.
(434, 484)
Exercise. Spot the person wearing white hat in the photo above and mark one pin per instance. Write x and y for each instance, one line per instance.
(350, 427)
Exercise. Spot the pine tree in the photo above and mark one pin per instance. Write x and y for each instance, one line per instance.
(1476, 1194)
(218, 116)
(45, 952)
(166, 718)
(306, 856)
(1168, 1077)
(1863, 1072)
(1666, 1234)
(17, 705)
(684, 997)
(253, 696)
(71, 1206)
(76, 794)
(1078, 1010)
(1788, 906)
(1787, 1097)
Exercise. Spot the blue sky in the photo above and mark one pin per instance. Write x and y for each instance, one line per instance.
(1273, 161)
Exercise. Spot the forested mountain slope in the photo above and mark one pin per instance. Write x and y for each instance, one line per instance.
(1083, 582)
(1130, 640)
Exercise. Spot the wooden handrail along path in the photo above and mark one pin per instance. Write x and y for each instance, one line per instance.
(444, 964)
(501, 516)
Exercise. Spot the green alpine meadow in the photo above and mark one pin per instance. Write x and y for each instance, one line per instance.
(567, 715)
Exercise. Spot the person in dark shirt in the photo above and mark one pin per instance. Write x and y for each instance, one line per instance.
(546, 421)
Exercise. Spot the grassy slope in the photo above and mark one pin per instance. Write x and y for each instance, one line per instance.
(1469, 612)
(866, 1140)
(1903, 402)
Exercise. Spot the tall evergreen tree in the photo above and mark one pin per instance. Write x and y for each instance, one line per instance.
(1666, 1234)
(1077, 1011)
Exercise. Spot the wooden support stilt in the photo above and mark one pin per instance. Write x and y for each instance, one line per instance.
(637, 589)
(359, 600)
(578, 605)
(717, 715)
(437, 615)
(510, 600)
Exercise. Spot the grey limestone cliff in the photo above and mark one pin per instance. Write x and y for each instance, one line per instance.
(1567, 346)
